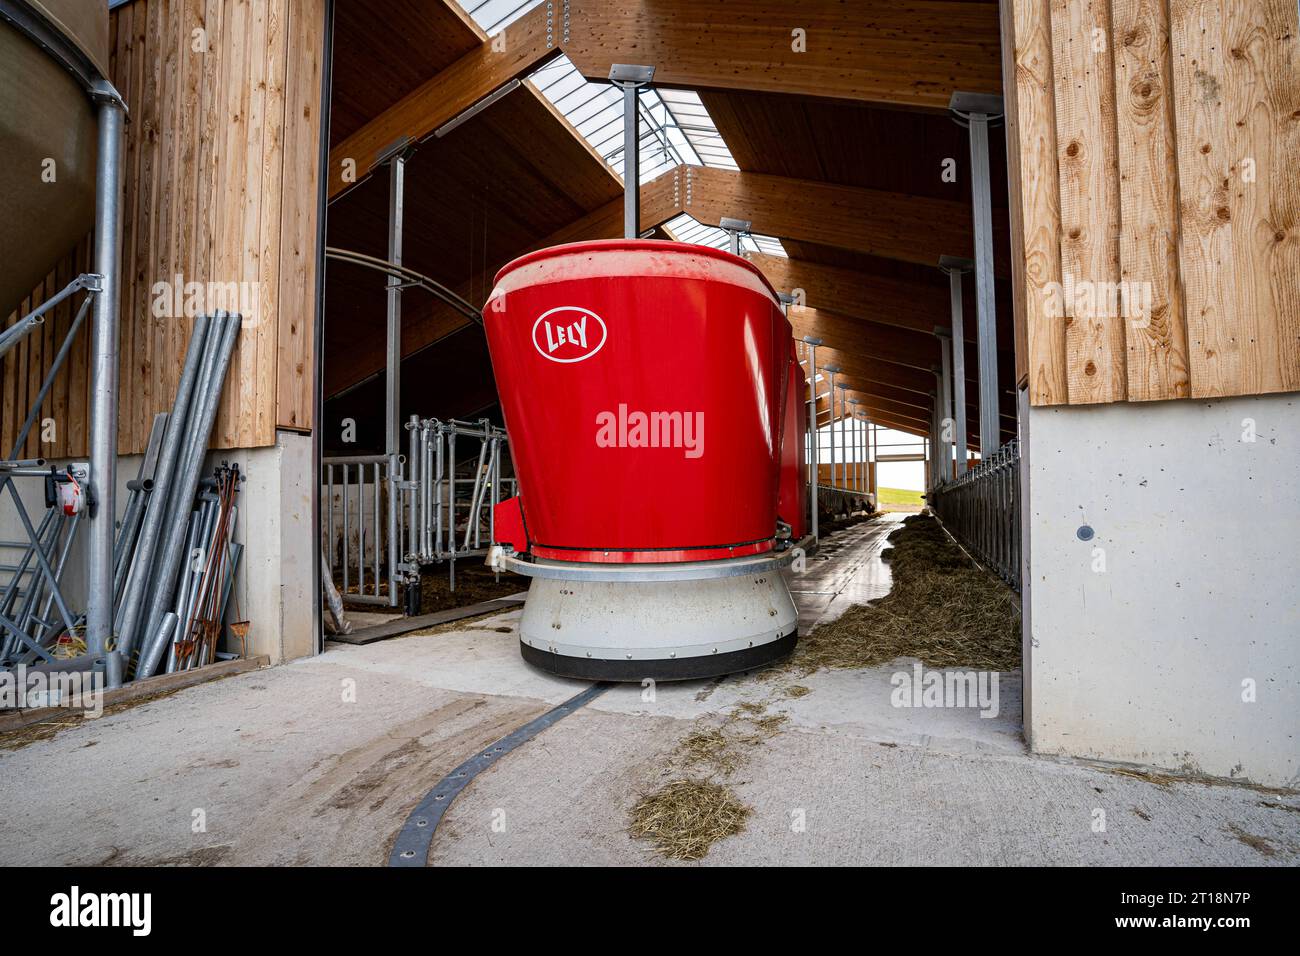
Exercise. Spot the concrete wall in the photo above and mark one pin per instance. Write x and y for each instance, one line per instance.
(274, 585)
(1144, 643)
(275, 582)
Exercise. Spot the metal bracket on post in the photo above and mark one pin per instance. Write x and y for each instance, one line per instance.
(976, 111)
(955, 267)
(734, 228)
(631, 78)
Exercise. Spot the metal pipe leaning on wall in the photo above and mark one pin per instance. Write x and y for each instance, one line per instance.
(127, 620)
(155, 560)
(202, 414)
(203, 589)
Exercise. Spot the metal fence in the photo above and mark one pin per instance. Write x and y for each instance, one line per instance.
(982, 510)
(448, 514)
(388, 516)
(361, 526)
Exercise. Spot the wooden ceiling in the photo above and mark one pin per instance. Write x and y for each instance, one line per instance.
(474, 198)
(840, 158)
(384, 49)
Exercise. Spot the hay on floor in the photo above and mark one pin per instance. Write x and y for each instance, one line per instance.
(942, 610)
(683, 818)
(711, 749)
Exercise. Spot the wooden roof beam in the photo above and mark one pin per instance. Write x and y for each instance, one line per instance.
(906, 54)
(890, 225)
(907, 303)
(875, 341)
(862, 369)
(875, 407)
(425, 320)
(519, 50)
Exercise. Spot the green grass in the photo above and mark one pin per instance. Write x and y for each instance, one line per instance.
(898, 496)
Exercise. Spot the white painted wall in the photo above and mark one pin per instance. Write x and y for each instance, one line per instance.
(1142, 658)
(274, 582)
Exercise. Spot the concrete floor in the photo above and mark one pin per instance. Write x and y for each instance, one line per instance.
(320, 761)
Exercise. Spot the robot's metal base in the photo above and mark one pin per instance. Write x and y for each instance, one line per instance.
(632, 630)
(682, 668)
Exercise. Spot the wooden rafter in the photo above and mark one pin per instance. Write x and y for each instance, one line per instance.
(884, 224)
(907, 54)
(518, 51)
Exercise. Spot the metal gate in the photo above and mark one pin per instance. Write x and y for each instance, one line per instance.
(387, 516)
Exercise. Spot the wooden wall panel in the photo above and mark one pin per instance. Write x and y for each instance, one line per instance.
(298, 236)
(221, 180)
(1260, 87)
(1177, 142)
(1086, 151)
(1035, 213)
(1206, 249)
(1156, 337)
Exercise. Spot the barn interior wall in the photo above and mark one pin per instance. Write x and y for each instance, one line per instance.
(221, 167)
(1170, 636)
(1153, 149)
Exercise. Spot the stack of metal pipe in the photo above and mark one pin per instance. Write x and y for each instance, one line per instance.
(204, 587)
(143, 625)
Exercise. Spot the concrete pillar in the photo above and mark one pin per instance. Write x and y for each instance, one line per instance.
(1160, 589)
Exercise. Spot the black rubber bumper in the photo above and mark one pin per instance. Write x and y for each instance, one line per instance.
(679, 668)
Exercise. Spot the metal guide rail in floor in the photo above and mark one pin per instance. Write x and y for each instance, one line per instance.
(388, 516)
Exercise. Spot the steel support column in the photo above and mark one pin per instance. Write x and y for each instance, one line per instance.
(851, 466)
(631, 79)
(955, 267)
(844, 438)
(104, 377)
(393, 375)
(977, 110)
(946, 418)
(830, 397)
(815, 442)
(934, 432)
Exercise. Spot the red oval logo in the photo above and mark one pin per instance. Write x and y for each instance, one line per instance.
(568, 334)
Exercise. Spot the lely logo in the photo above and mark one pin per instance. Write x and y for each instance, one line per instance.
(568, 334)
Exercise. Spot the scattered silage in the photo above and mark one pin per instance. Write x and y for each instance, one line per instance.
(685, 817)
(942, 610)
(711, 749)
